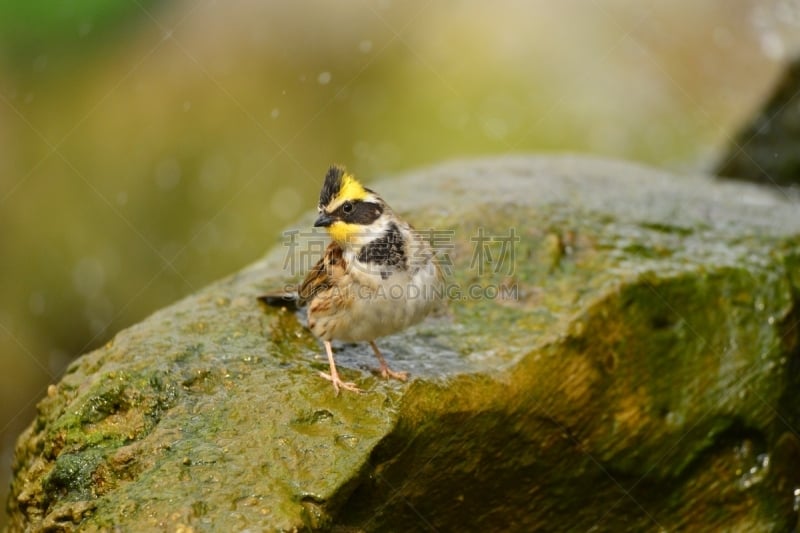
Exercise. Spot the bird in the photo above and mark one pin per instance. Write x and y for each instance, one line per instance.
(378, 276)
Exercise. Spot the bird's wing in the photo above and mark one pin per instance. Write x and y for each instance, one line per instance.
(330, 267)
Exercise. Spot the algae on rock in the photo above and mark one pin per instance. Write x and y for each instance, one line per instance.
(632, 368)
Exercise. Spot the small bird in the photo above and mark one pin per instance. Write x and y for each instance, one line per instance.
(377, 276)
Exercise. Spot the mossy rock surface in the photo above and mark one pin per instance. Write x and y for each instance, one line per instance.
(632, 366)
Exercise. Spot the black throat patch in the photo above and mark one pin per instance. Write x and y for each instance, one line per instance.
(386, 250)
(332, 185)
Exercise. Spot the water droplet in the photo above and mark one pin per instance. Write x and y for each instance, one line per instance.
(365, 46)
(772, 46)
(674, 419)
(57, 361)
(361, 149)
(88, 276)
(275, 113)
(324, 78)
(347, 441)
(122, 198)
(495, 128)
(755, 473)
(215, 173)
(187, 105)
(285, 202)
(168, 174)
(37, 303)
(84, 29)
(40, 63)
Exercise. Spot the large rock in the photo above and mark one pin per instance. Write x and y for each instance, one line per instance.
(635, 367)
(766, 148)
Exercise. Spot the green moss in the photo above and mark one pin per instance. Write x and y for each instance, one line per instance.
(117, 408)
(72, 476)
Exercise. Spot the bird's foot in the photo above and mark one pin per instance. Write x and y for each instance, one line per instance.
(337, 383)
(388, 373)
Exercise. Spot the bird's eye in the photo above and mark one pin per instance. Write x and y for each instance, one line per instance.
(347, 208)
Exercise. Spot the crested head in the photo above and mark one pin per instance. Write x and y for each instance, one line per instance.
(340, 185)
(349, 211)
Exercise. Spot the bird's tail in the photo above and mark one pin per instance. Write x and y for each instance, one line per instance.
(288, 299)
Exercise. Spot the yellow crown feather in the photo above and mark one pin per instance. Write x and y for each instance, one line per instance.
(351, 189)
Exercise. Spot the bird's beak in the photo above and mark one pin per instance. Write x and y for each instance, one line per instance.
(324, 220)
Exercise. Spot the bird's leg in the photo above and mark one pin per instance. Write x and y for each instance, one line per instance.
(333, 377)
(387, 372)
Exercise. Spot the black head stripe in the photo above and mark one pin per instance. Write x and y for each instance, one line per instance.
(332, 185)
(363, 213)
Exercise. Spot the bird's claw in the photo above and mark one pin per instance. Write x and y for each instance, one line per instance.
(337, 383)
(388, 373)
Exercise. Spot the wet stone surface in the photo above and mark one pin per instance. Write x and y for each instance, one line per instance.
(637, 374)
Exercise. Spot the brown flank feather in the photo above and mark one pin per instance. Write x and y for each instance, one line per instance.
(320, 278)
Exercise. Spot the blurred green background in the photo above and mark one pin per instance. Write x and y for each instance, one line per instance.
(148, 148)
